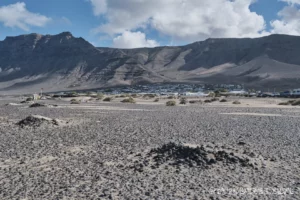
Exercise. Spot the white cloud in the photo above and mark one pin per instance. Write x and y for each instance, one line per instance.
(289, 19)
(187, 20)
(292, 1)
(16, 15)
(99, 6)
(66, 21)
(133, 40)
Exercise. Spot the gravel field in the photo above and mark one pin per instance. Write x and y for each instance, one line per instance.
(149, 151)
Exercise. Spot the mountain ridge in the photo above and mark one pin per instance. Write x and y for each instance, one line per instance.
(64, 62)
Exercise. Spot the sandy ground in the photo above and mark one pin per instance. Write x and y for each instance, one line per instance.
(112, 150)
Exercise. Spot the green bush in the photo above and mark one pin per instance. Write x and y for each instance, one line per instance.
(171, 103)
(128, 100)
(156, 100)
(29, 99)
(107, 99)
(171, 97)
(223, 100)
(207, 101)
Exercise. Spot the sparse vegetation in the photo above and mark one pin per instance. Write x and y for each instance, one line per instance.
(284, 103)
(183, 101)
(73, 94)
(296, 102)
(207, 101)
(236, 102)
(171, 103)
(128, 100)
(107, 99)
(150, 96)
(171, 97)
(195, 101)
(217, 93)
(100, 96)
(156, 100)
(75, 102)
(215, 99)
(290, 102)
(134, 95)
(223, 100)
(123, 96)
(211, 94)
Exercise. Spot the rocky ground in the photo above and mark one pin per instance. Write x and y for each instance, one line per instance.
(140, 151)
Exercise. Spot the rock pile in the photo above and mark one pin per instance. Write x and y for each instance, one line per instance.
(179, 154)
(37, 121)
(37, 105)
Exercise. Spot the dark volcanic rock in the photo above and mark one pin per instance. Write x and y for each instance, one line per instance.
(37, 121)
(178, 154)
(42, 61)
(37, 105)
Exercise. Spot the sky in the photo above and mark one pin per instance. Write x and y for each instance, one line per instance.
(150, 23)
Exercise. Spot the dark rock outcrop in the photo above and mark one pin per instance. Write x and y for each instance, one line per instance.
(64, 62)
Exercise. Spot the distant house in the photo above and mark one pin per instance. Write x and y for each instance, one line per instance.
(195, 94)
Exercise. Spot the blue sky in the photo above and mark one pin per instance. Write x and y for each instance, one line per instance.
(132, 23)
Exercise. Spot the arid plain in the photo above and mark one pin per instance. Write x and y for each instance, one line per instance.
(147, 150)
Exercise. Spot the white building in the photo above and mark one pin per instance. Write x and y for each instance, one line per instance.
(195, 94)
(237, 92)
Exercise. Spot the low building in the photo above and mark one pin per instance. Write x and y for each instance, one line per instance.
(195, 94)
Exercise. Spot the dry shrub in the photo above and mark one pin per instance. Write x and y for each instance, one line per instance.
(171, 103)
(128, 100)
(108, 99)
(195, 101)
(183, 101)
(236, 102)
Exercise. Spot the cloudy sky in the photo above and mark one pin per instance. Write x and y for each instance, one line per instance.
(149, 23)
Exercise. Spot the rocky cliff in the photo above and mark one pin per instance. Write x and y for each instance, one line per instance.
(63, 62)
